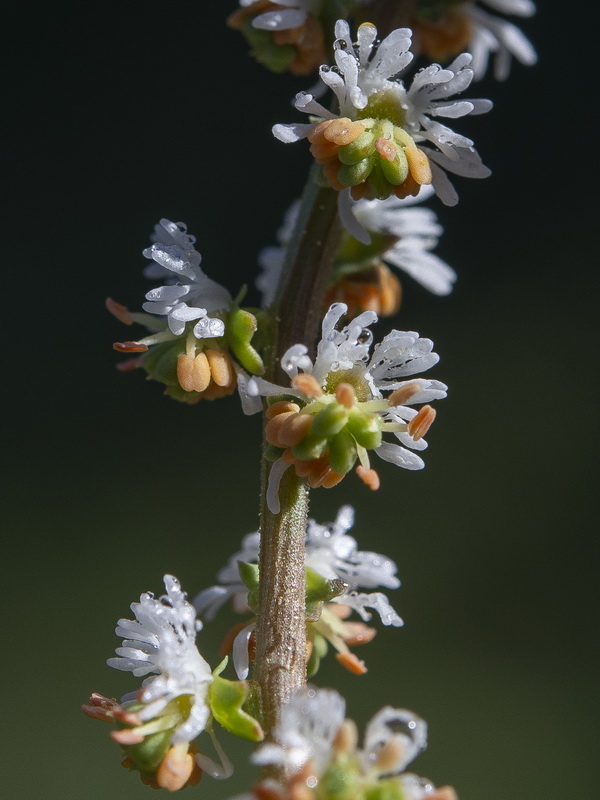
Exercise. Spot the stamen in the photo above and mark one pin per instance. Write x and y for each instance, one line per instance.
(390, 755)
(119, 311)
(369, 477)
(443, 793)
(419, 165)
(345, 394)
(274, 426)
(400, 396)
(220, 367)
(356, 633)
(351, 663)
(419, 425)
(295, 427)
(176, 768)
(332, 479)
(130, 347)
(346, 738)
(306, 384)
(385, 148)
(193, 374)
(280, 407)
(128, 364)
(126, 737)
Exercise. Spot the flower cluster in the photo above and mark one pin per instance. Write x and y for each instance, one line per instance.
(318, 749)
(334, 555)
(374, 144)
(200, 340)
(337, 411)
(157, 725)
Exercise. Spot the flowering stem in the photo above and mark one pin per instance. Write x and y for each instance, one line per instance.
(280, 665)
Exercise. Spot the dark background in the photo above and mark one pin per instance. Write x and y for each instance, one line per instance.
(120, 114)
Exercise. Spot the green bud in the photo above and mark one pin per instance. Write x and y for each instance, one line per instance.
(320, 590)
(342, 452)
(365, 429)
(358, 149)
(396, 171)
(309, 448)
(272, 452)
(249, 573)
(330, 420)
(226, 700)
(275, 57)
(241, 327)
(353, 174)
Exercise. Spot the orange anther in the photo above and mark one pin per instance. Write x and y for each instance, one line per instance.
(419, 425)
(280, 407)
(385, 148)
(358, 633)
(369, 477)
(345, 394)
(352, 663)
(221, 367)
(119, 311)
(418, 164)
(294, 429)
(331, 479)
(343, 131)
(404, 393)
(130, 347)
(274, 426)
(193, 373)
(306, 384)
(175, 769)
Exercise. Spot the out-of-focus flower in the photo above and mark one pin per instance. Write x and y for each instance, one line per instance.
(318, 749)
(334, 555)
(336, 412)
(386, 138)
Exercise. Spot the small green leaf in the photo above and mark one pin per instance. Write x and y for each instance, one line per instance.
(226, 699)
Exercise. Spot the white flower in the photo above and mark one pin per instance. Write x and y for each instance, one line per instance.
(314, 742)
(329, 551)
(366, 84)
(494, 36)
(161, 639)
(345, 357)
(194, 295)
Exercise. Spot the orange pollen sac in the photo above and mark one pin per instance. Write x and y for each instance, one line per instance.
(385, 148)
(369, 477)
(419, 166)
(280, 407)
(340, 131)
(306, 384)
(210, 373)
(400, 396)
(177, 769)
(419, 425)
(356, 633)
(351, 663)
(119, 311)
(345, 394)
(374, 289)
(130, 347)
(287, 428)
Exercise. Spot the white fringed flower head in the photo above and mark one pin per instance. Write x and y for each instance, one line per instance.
(193, 295)
(338, 411)
(375, 143)
(162, 639)
(333, 555)
(319, 750)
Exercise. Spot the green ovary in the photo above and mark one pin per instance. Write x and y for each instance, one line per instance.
(384, 106)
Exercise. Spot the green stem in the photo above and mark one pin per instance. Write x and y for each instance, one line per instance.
(280, 665)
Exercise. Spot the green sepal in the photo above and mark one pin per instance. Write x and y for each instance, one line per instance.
(320, 590)
(329, 420)
(226, 699)
(179, 394)
(360, 148)
(147, 755)
(365, 429)
(241, 327)
(271, 452)
(220, 667)
(390, 789)
(160, 361)
(342, 452)
(309, 448)
(250, 576)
